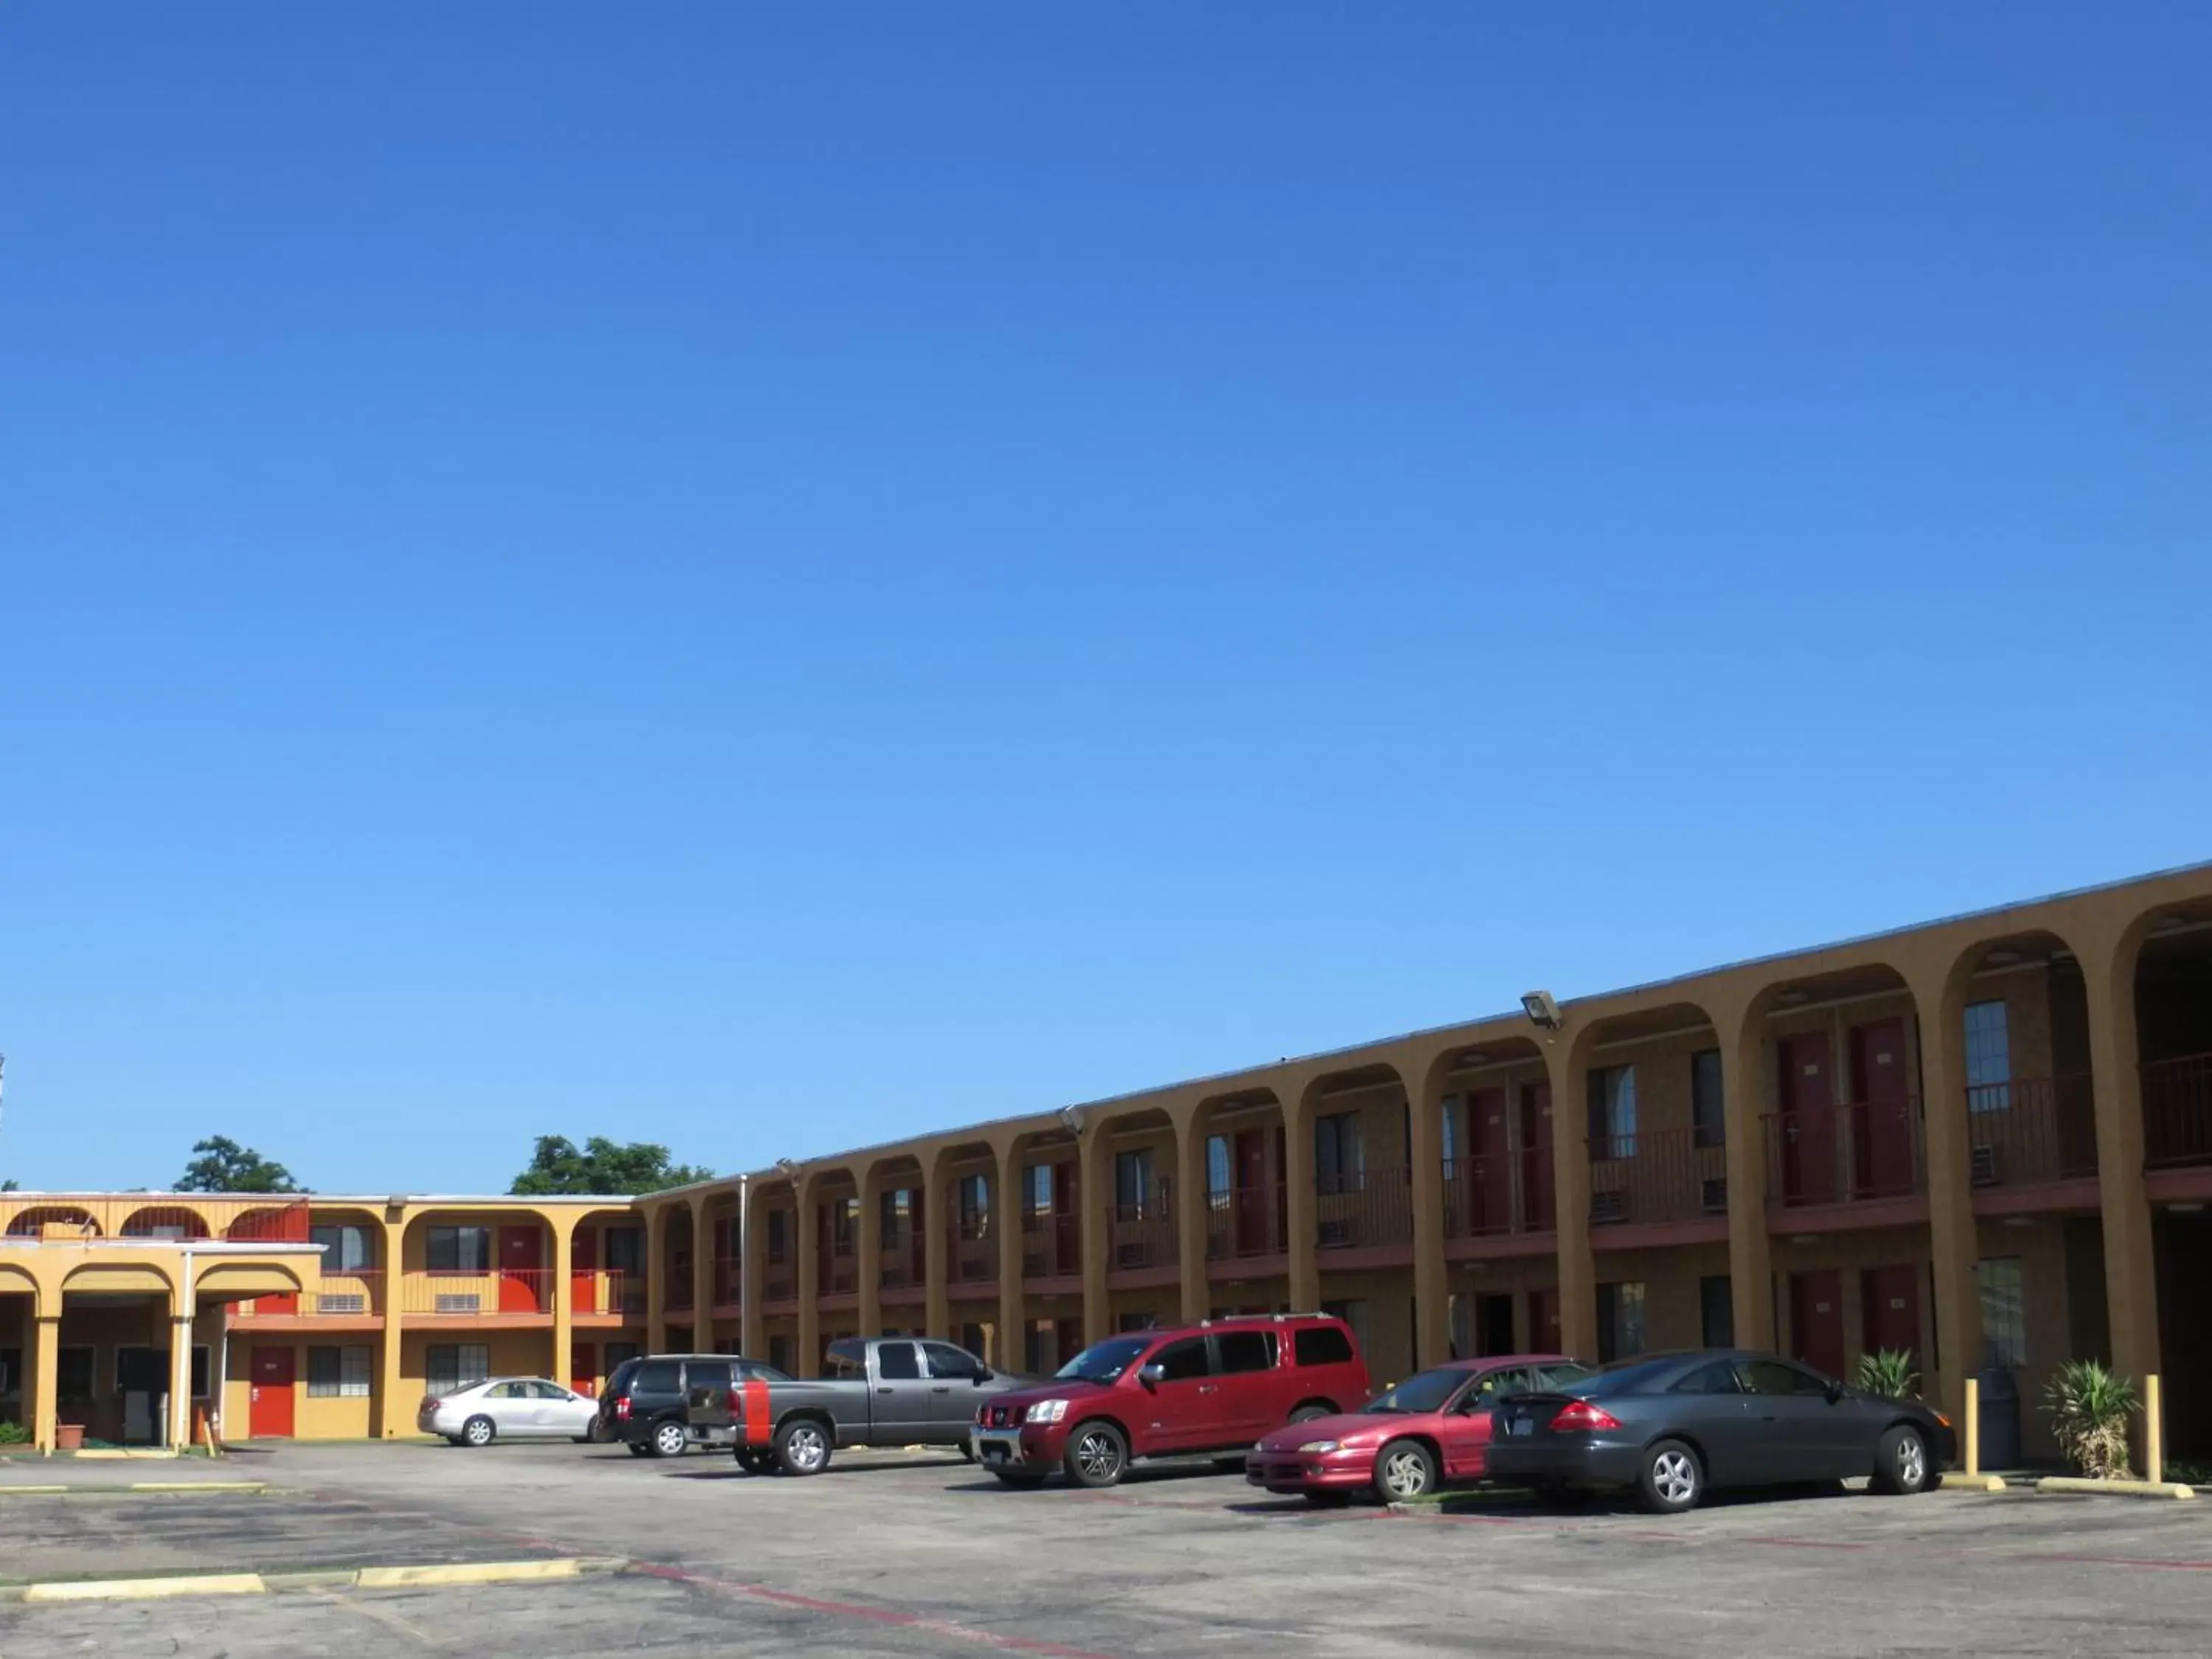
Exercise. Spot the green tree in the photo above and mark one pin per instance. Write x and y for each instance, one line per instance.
(556, 1167)
(224, 1166)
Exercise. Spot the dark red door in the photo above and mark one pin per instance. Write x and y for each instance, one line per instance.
(1816, 1320)
(1809, 1122)
(1536, 1161)
(1543, 1322)
(584, 1367)
(1881, 1130)
(269, 1401)
(1255, 1204)
(1889, 1309)
(1489, 1184)
(521, 1271)
(584, 1272)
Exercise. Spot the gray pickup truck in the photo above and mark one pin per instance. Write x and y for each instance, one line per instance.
(882, 1391)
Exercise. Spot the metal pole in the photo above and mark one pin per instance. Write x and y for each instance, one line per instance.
(2153, 1431)
(1973, 1425)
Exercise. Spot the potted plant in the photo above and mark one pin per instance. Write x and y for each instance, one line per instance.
(2089, 1407)
(1888, 1374)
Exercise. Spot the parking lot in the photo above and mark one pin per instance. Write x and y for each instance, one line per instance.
(891, 1554)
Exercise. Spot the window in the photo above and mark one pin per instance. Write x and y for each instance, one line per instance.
(1246, 1350)
(1321, 1345)
(1448, 1129)
(1217, 1166)
(1620, 1320)
(659, 1376)
(1719, 1378)
(897, 1361)
(458, 1249)
(975, 1195)
(625, 1250)
(1339, 1160)
(895, 1216)
(943, 1361)
(1772, 1376)
(1553, 1378)
(1132, 1179)
(1988, 1057)
(74, 1376)
(779, 1236)
(346, 1249)
(337, 1373)
(1612, 1112)
(1708, 1120)
(1040, 1192)
(844, 1223)
(1181, 1361)
(2004, 1311)
(702, 1374)
(1716, 1311)
(451, 1365)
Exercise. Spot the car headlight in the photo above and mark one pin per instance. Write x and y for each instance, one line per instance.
(1047, 1410)
(1322, 1446)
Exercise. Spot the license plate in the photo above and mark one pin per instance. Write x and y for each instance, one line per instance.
(1520, 1426)
(993, 1452)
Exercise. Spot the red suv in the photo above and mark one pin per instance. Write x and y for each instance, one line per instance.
(1200, 1391)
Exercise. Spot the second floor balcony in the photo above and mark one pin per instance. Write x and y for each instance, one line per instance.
(1853, 1153)
(1656, 1177)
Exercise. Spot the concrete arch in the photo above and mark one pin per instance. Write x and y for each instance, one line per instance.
(91, 1278)
(29, 1224)
(163, 1221)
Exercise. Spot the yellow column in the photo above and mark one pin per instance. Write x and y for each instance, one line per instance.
(936, 1215)
(1191, 1214)
(656, 1279)
(392, 1246)
(1300, 1211)
(1425, 1150)
(1564, 1059)
(752, 1276)
(46, 1378)
(1009, 1205)
(1954, 1246)
(810, 1278)
(563, 1298)
(703, 1275)
(868, 1254)
(1742, 1032)
(1094, 1224)
(2108, 972)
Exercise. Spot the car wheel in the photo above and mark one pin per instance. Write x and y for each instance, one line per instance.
(668, 1439)
(753, 1461)
(1672, 1480)
(1404, 1469)
(1902, 1465)
(638, 1447)
(1309, 1413)
(477, 1432)
(1024, 1482)
(802, 1447)
(1096, 1454)
(455, 1440)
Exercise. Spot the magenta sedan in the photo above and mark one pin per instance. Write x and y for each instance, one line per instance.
(1431, 1430)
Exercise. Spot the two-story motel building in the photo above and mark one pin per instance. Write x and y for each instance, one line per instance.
(1987, 1139)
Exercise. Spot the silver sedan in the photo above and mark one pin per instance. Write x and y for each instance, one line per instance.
(511, 1407)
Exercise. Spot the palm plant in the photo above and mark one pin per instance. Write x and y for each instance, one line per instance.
(2089, 1407)
(1888, 1373)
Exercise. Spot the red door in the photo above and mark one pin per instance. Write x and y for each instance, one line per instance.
(1544, 1322)
(584, 1367)
(1254, 1208)
(269, 1396)
(1536, 1161)
(1889, 1309)
(584, 1272)
(1067, 1241)
(1809, 1122)
(1816, 1320)
(1882, 1136)
(1489, 1186)
(520, 1269)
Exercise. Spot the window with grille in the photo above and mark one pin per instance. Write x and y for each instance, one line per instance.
(1340, 1156)
(337, 1373)
(2004, 1311)
(1612, 1112)
(1988, 1057)
(451, 1365)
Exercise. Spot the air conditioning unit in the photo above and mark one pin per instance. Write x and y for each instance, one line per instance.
(343, 1302)
(1135, 1255)
(1608, 1206)
(1712, 1194)
(467, 1301)
(1335, 1235)
(1985, 1166)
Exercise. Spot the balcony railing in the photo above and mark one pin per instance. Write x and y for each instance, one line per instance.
(469, 1293)
(2032, 1131)
(158, 1216)
(840, 1275)
(681, 1295)
(346, 1294)
(1144, 1234)
(729, 1281)
(1655, 1176)
(1247, 1221)
(898, 1267)
(973, 1258)
(595, 1290)
(1051, 1246)
(1357, 1209)
(780, 1283)
(1844, 1154)
(2177, 1107)
(1496, 1196)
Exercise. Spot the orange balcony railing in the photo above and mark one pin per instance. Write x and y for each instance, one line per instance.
(593, 1291)
(469, 1293)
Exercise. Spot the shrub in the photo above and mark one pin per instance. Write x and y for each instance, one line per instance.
(1889, 1374)
(13, 1434)
(2089, 1408)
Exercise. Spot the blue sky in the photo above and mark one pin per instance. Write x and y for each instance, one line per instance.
(771, 579)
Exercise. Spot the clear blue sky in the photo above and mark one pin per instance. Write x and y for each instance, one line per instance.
(770, 579)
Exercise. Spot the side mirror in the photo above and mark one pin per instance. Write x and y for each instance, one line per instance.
(1835, 1392)
(1152, 1375)
(984, 1374)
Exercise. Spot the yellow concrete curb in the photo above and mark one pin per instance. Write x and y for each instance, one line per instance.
(469, 1572)
(115, 1454)
(198, 1485)
(1974, 1483)
(2066, 1483)
(148, 1589)
(31, 1492)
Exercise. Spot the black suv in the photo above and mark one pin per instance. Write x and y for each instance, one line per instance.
(643, 1406)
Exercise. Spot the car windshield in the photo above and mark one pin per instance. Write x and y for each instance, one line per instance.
(1103, 1362)
(1425, 1393)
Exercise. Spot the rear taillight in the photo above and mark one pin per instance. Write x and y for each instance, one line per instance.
(431, 1402)
(621, 1409)
(1581, 1415)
